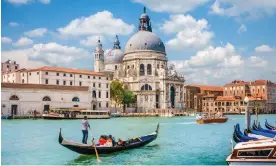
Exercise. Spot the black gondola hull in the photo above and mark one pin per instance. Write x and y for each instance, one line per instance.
(268, 126)
(89, 149)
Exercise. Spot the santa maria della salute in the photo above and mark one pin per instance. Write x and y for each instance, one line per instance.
(143, 68)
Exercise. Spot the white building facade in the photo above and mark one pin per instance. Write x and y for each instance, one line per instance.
(143, 68)
(21, 99)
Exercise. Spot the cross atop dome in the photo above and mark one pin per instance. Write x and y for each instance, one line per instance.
(145, 24)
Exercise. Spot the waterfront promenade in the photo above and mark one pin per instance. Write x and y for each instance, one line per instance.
(180, 141)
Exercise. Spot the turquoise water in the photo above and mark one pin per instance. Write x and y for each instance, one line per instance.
(180, 141)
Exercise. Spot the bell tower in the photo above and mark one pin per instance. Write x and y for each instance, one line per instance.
(99, 57)
(145, 24)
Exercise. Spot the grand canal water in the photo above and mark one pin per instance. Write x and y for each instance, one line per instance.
(181, 141)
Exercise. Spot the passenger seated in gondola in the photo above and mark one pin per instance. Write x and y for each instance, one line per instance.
(121, 143)
(102, 141)
(108, 142)
(113, 140)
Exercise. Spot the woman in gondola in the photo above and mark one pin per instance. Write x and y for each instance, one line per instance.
(101, 141)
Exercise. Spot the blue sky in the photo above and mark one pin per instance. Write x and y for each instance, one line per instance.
(209, 41)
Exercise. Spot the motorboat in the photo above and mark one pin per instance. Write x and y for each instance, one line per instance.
(260, 152)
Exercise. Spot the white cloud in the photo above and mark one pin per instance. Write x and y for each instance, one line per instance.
(21, 56)
(219, 56)
(263, 48)
(55, 54)
(212, 65)
(102, 23)
(13, 24)
(171, 6)
(46, 54)
(191, 33)
(91, 41)
(6, 40)
(24, 2)
(220, 65)
(39, 32)
(45, 1)
(23, 41)
(257, 62)
(19, 2)
(242, 28)
(248, 8)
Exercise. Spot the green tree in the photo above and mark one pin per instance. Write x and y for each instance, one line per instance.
(128, 98)
(116, 92)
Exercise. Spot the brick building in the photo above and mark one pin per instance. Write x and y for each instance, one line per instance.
(261, 93)
(194, 93)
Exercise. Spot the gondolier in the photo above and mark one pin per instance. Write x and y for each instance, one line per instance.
(85, 126)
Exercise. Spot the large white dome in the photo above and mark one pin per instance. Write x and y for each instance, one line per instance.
(145, 41)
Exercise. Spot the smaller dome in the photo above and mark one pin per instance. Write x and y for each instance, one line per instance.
(114, 56)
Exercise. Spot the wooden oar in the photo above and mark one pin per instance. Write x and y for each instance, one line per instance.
(93, 144)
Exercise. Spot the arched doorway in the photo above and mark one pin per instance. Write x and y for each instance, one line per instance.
(14, 106)
(46, 100)
(94, 106)
(172, 94)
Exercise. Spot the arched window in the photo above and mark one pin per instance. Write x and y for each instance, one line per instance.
(76, 99)
(149, 69)
(46, 98)
(14, 97)
(146, 87)
(115, 67)
(23, 81)
(142, 70)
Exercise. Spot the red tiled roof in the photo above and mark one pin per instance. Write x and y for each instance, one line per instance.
(225, 98)
(253, 98)
(237, 82)
(206, 87)
(261, 82)
(43, 86)
(209, 95)
(66, 70)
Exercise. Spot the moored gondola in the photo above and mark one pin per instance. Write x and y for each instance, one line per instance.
(268, 126)
(256, 132)
(259, 128)
(88, 149)
(238, 136)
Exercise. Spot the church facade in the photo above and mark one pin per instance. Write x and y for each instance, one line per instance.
(143, 68)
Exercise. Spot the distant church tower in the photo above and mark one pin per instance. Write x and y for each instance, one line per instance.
(99, 57)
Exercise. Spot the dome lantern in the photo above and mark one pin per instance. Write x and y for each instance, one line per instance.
(145, 24)
(117, 43)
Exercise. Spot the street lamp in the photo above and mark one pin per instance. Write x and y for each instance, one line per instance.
(247, 113)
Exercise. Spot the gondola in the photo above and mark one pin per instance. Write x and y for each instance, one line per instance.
(259, 128)
(268, 126)
(238, 136)
(256, 132)
(88, 149)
